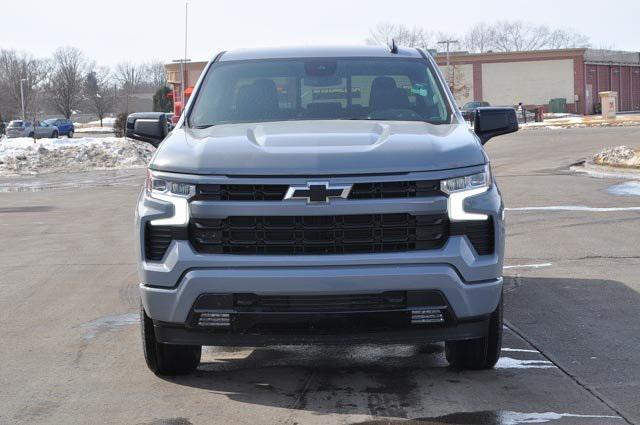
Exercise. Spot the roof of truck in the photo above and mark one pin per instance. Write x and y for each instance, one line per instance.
(317, 52)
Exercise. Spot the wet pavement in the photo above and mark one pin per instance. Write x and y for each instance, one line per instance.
(71, 349)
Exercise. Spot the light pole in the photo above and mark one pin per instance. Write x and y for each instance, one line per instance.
(448, 43)
(22, 80)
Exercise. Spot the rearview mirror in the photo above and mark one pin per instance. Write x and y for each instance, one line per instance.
(150, 127)
(490, 122)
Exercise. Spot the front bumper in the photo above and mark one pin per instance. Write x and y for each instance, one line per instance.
(466, 300)
(471, 283)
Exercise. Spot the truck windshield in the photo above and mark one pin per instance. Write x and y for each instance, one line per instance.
(383, 89)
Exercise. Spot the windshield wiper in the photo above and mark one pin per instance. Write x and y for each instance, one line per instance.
(203, 126)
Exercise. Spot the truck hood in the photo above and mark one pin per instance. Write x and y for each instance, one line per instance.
(312, 148)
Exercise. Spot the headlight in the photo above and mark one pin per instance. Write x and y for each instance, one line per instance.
(473, 181)
(461, 188)
(176, 193)
(157, 186)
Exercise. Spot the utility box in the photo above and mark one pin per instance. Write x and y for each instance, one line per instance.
(609, 102)
(558, 105)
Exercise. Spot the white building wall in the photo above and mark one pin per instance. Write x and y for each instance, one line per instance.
(530, 82)
(463, 82)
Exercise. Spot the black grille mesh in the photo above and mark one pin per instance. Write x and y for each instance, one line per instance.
(321, 303)
(348, 234)
(157, 241)
(480, 234)
(385, 190)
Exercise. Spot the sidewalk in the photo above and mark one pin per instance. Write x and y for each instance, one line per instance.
(557, 121)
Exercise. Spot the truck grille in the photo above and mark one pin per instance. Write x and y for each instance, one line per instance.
(277, 192)
(297, 235)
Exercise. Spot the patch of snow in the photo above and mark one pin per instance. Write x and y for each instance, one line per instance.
(104, 129)
(511, 363)
(516, 418)
(625, 189)
(622, 156)
(23, 156)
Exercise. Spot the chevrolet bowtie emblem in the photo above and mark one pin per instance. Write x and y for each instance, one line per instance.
(318, 192)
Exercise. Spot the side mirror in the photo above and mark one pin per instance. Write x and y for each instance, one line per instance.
(490, 122)
(150, 127)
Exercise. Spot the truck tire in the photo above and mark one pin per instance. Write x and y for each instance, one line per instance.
(482, 353)
(166, 359)
(70, 134)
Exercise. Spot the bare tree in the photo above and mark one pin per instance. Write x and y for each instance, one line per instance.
(129, 76)
(383, 33)
(15, 67)
(479, 39)
(98, 92)
(154, 74)
(66, 81)
(512, 36)
(566, 38)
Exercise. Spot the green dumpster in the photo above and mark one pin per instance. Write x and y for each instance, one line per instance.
(558, 105)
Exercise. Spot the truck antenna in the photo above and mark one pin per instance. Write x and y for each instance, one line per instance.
(394, 47)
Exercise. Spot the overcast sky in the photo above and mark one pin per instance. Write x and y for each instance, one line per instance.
(112, 31)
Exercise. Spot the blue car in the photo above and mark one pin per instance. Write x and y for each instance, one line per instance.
(65, 126)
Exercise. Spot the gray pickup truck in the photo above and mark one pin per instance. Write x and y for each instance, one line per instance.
(320, 195)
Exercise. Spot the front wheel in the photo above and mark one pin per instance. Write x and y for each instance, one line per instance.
(70, 134)
(166, 359)
(481, 353)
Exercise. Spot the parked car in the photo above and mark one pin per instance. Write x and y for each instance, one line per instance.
(46, 130)
(19, 128)
(320, 195)
(170, 125)
(65, 126)
(468, 110)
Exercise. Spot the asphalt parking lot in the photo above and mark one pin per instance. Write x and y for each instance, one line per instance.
(71, 349)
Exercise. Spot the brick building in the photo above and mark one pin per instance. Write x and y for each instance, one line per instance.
(536, 77)
(192, 71)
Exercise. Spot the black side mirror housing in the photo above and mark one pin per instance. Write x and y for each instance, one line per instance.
(490, 122)
(150, 127)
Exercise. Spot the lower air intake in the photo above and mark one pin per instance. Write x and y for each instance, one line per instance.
(214, 320)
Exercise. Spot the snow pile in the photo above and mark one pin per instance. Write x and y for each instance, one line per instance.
(104, 129)
(23, 156)
(620, 156)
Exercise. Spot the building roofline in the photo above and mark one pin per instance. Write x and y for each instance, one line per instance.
(525, 54)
